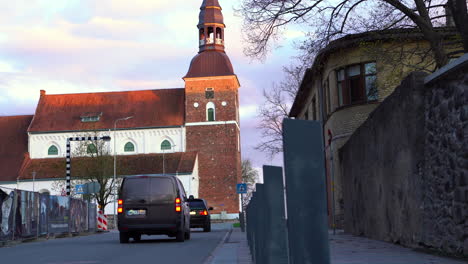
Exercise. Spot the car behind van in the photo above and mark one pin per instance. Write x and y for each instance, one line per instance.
(153, 205)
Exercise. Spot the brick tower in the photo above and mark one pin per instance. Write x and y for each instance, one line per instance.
(212, 113)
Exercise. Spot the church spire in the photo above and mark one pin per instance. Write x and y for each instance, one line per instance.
(211, 26)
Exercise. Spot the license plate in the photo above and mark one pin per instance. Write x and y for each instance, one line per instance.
(193, 213)
(139, 212)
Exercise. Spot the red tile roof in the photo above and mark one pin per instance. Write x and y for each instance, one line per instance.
(210, 63)
(13, 145)
(180, 162)
(149, 108)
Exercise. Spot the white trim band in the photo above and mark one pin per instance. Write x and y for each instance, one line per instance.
(213, 123)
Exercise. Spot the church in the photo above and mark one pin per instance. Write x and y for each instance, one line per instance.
(192, 133)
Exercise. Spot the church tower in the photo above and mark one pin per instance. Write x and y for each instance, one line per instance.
(212, 113)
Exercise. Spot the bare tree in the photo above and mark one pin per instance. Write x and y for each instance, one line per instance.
(459, 13)
(265, 20)
(92, 162)
(249, 176)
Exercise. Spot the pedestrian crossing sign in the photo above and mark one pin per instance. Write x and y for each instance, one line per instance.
(241, 188)
(79, 189)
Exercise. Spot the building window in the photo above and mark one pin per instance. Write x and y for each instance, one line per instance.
(53, 151)
(91, 149)
(326, 98)
(129, 147)
(357, 83)
(209, 93)
(90, 117)
(210, 112)
(165, 145)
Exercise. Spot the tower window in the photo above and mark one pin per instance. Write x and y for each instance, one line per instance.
(165, 145)
(209, 93)
(202, 33)
(129, 147)
(218, 33)
(91, 149)
(53, 150)
(210, 39)
(210, 112)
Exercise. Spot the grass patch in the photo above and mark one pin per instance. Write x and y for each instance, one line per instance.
(236, 225)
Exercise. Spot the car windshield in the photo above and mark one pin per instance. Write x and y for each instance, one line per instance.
(197, 204)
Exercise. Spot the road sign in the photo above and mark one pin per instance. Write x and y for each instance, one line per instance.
(241, 188)
(80, 189)
(92, 187)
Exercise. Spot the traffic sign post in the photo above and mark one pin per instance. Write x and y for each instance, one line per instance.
(79, 189)
(242, 188)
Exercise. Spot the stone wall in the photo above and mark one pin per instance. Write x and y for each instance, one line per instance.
(446, 160)
(405, 169)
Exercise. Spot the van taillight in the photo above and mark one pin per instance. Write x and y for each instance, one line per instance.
(120, 203)
(178, 208)
(205, 212)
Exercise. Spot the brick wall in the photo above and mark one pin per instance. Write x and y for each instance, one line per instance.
(217, 145)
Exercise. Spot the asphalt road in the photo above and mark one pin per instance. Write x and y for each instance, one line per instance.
(105, 248)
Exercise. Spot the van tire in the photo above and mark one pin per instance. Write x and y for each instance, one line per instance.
(187, 234)
(137, 238)
(123, 236)
(180, 236)
(207, 227)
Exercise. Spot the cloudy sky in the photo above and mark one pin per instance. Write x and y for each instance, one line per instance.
(75, 46)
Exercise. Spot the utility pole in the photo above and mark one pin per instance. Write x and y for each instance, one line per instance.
(113, 187)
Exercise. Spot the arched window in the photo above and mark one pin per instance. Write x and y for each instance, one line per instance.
(91, 149)
(53, 150)
(129, 147)
(165, 145)
(218, 33)
(210, 112)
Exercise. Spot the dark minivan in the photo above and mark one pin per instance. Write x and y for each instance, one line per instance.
(153, 205)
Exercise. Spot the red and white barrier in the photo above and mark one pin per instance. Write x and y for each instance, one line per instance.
(101, 221)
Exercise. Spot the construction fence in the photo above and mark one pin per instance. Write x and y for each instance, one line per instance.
(25, 214)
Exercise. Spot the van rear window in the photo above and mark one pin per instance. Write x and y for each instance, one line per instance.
(162, 186)
(142, 187)
(136, 187)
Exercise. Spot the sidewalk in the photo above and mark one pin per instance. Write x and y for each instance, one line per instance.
(233, 250)
(348, 249)
(344, 249)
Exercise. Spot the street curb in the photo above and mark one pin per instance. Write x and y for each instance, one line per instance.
(45, 238)
(210, 258)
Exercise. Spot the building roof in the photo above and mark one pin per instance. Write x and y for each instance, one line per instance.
(210, 12)
(13, 144)
(210, 63)
(149, 108)
(354, 40)
(52, 168)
